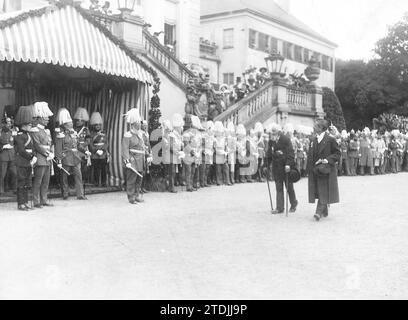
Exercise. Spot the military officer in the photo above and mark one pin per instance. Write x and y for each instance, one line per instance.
(243, 151)
(148, 154)
(259, 131)
(99, 148)
(221, 153)
(81, 117)
(344, 159)
(208, 152)
(7, 155)
(191, 149)
(133, 155)
(44, 151)
(69, 153)
(176, 143)
(353, 153)
(25, 158)
(166, 154)
(231, 150)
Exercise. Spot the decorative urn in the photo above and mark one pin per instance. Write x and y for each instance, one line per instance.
(312, 72)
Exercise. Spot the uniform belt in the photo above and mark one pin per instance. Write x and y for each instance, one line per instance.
(137, 151)
(46, 146)
(74, 149)
(99, 144)
(29, 150)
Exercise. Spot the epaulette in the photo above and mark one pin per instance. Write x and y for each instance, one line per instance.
(47, 131)
(128, 135)
(19, 133)
(60, 135)
(35, 129)
(57, 130)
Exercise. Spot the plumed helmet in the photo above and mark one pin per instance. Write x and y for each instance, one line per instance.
(230, 127)
(374, 133)
(224, 87)
(195, 122)
(366, 131)
(177, 120)
(24, 115)
(252, 132)
(166, 125)
(63, 116)
(258, 127)
(344, 134)
(96, 118)
(241, 131)
(210, 125)
(41, 110)
(133, 116)
(81, 114)
(219, 127)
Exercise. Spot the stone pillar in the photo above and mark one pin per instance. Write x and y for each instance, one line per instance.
(317, 100)
(279, 100)
(129, 28)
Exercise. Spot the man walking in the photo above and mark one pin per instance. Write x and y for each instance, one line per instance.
(282, 155)
(324, 154)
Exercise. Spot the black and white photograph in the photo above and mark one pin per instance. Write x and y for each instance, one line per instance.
(203, 150)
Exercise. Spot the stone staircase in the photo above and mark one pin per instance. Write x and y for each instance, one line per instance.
(275, 102)
(164, 60)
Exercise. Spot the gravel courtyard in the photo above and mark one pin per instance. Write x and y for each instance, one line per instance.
(217, 243)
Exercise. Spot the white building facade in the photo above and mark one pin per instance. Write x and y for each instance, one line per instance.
(245, 31)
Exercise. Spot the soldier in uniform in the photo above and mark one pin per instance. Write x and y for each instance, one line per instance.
(198, 142)
(365, 155)
(192, 142)
(259, 131)
(176, 147)
(353, 153)
(243, 151)
(148, 154)
(81, 117)
(7, 155)
(44, 152)
(25, 159)
(344, 159)
(99, 148)
(393, 147)
(232, 150)
(166, 154)
(208, 154)
(69, 153)
(221, 153)
(133, 155)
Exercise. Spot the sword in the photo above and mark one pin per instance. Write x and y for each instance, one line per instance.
(61, 168)
(135, 171)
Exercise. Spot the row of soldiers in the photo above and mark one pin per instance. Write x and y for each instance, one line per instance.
(28, 152)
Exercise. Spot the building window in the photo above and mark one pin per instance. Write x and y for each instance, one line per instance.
(288, 50)
(169, 34)
(263, 42)
(318, 57)
(228, 38)
(298, 54)
(325, 63)
(252, 39)
(228, 78)
(306, 55)
(274, 44)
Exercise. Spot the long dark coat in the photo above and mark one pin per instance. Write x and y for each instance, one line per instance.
(325, 189)
(280, 161)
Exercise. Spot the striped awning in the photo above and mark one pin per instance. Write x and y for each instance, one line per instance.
(64, 37)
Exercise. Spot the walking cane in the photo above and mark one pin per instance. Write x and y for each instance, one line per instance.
(269, 188)
(287, 194)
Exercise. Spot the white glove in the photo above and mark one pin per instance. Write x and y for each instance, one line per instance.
(7, 146)
(128, 165)
(59, 165)
(287, 169)
(33, 161)
(50, 156)
(149, 160)
(181, 155)
(88, 153)
(99, 152)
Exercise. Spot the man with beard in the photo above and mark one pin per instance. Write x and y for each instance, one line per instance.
(282, 156)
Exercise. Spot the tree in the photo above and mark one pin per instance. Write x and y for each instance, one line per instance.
(332, 108)
(393, 50)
